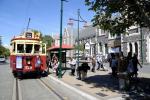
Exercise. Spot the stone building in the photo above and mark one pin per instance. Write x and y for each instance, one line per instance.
(68, 37)
(131, 42)
(100, 41)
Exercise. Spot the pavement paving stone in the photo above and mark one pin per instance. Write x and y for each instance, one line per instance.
(92, 88)
(102, 85)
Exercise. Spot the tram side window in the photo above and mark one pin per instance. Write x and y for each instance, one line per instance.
(29, 48)
(20, 48)
(14, 47)
(43, 48)
(36, 48)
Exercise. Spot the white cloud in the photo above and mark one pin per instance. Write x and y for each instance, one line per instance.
(6, 46)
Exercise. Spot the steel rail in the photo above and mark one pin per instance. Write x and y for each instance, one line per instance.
(16, 95)
(51, 89)
(17, 90)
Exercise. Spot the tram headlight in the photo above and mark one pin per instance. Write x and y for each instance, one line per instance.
(28, 61)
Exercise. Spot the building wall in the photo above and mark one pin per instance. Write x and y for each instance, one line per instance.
(99, 40)
(135, 37)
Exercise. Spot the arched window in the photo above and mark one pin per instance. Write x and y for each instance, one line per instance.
(106, 48)
(100, 44)
(130, 47)
(136, 48)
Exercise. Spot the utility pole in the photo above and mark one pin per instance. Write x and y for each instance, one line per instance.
(78, 20)
(141, 36)
(60, 49)
(78, 36)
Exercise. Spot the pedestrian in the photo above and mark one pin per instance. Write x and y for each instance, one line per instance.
(109, 58)
(99, 59)
(48, 61)
(54, 63)
(72, 63)
(135, 63)
(93, 63)
(122, 66)
(130, 65)
(114, 64)
(84, 69)
(122, 63)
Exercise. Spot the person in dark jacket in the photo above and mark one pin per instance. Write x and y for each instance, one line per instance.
(82, 70)
(135, 64)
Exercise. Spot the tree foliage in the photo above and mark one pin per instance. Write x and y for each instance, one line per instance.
(80, 47)
(4, 51)
(48, 40)
(118, 15)
(45, 38)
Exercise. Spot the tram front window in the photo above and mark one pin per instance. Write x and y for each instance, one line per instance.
(20, 48)
(36, 48)
(29, 48)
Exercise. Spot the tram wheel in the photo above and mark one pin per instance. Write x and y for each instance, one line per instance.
(19, 75)
(15, 74)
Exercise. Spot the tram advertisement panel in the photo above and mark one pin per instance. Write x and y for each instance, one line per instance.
(19, 62)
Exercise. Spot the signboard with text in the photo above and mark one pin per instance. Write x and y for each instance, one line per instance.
(87, 46)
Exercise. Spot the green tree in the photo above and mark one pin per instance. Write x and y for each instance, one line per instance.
(80, 47)
(45, 38)
(118, 15)
(48, 40)
(4, 51)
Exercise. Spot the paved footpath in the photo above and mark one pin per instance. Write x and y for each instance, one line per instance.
(102, 85)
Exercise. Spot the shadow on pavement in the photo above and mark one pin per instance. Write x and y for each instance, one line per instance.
(139, 89)
(106, 81)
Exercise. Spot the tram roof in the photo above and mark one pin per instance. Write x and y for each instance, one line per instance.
(25, 39)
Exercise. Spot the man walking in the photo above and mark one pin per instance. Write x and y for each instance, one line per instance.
(72, 63)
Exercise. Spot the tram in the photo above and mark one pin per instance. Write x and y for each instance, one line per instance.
(28, 54)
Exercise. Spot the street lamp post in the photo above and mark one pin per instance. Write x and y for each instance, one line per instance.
(60, 43)
(78, 36)
(141, 36)
(78, 20)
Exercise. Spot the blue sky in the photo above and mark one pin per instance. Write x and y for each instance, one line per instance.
(44, 14)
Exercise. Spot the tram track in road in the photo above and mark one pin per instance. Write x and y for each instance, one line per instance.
(46, 85)
(16, 90)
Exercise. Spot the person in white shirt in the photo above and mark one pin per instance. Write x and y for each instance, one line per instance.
(99, 59)
(72, 63)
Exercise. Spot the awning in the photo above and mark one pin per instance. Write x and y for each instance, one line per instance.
(56, 47)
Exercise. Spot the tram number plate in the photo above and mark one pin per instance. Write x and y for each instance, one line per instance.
(28, 67)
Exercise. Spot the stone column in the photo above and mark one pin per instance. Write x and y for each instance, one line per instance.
(133, 47)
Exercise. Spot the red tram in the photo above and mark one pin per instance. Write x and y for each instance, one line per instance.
(28, 54)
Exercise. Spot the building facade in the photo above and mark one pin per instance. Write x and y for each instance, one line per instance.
(137, 41)
(100, 41)
(68, 37)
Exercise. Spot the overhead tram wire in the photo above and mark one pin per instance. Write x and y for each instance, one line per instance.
(82, 19)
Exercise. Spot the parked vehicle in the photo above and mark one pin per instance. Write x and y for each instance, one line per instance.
(2, 58)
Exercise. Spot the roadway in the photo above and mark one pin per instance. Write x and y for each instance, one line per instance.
(32, 88)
